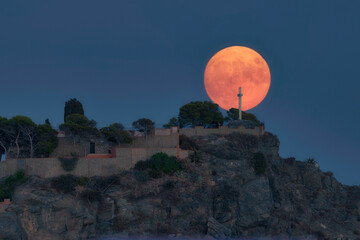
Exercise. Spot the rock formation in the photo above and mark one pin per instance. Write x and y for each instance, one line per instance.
(219, 196)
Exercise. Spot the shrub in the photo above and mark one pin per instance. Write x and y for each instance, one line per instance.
(141, 176)
(195, 156)
(68, 164)
(8, 184)
(169, 185)
(155, 174)
(82, 181)
(103, 183)
(329, 173)
(90, 196)
(260, 163)
(64, 183)
(161, 162)
(187, 143)
(141, 165)
(311, 161)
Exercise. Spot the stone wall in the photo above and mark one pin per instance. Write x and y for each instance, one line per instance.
(222, 130)
(156, 141)
(124, 159)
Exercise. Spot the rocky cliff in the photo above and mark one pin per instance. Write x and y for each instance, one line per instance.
(218, 195)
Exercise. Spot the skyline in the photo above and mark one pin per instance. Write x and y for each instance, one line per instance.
(124, 62)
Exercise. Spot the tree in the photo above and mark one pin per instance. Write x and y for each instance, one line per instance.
(173, 122)
(144, 125)
(47, 140)
(23, 132)
(23, 128)
(71, 107)
(5, 134)
(115, 133)
(233, 114)
(78, 124)
(47, 121)
(198, 113)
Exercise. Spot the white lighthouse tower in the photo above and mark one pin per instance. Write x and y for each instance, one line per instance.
(240, 95)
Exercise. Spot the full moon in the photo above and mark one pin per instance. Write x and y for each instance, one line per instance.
(235, 67)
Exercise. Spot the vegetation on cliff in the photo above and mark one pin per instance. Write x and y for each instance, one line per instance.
(8, 184)
(225, 195)
(160, 164)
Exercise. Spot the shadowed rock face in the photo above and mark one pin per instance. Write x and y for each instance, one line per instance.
(220, 197)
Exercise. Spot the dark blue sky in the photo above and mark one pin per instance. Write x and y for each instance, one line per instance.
(129, 59)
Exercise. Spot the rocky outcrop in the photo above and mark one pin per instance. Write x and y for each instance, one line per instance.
(217, 230)
(219, 197)
(10, 228)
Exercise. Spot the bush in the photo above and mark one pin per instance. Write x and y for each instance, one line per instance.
(103, 183)
(64, 183)
(195, 156)
(329, 173)
(141, 165)
(187, 143)
(155, 174)
(169, 185)
(260, 163)
(90, 196)
(159, 164)
(82, 181)
(141, 176)
(68, 164)
(8, 184)
(311, 161)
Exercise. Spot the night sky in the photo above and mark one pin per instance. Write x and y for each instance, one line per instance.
(129, 59)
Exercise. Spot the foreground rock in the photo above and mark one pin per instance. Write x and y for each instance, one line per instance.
(220, 197)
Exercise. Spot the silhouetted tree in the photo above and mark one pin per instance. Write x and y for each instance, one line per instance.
(71, 107)
(47, 140)
(198, 113)
(47, 121)
(22, 128)
(173, 122)
(116, 133)
(144, 125)
(78, 124)
(233, 114)
(5, 134)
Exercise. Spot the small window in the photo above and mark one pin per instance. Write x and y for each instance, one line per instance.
(92, 147)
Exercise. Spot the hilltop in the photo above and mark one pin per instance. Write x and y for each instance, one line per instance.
(232, 186)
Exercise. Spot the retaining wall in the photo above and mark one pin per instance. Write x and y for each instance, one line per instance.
(222, 130)
(125, 159)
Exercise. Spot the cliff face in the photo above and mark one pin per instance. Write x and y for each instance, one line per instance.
(220, 197)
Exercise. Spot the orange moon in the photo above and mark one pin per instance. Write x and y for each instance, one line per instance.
(235, 67)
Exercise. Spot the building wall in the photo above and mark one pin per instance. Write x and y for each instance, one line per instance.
(81, 147)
